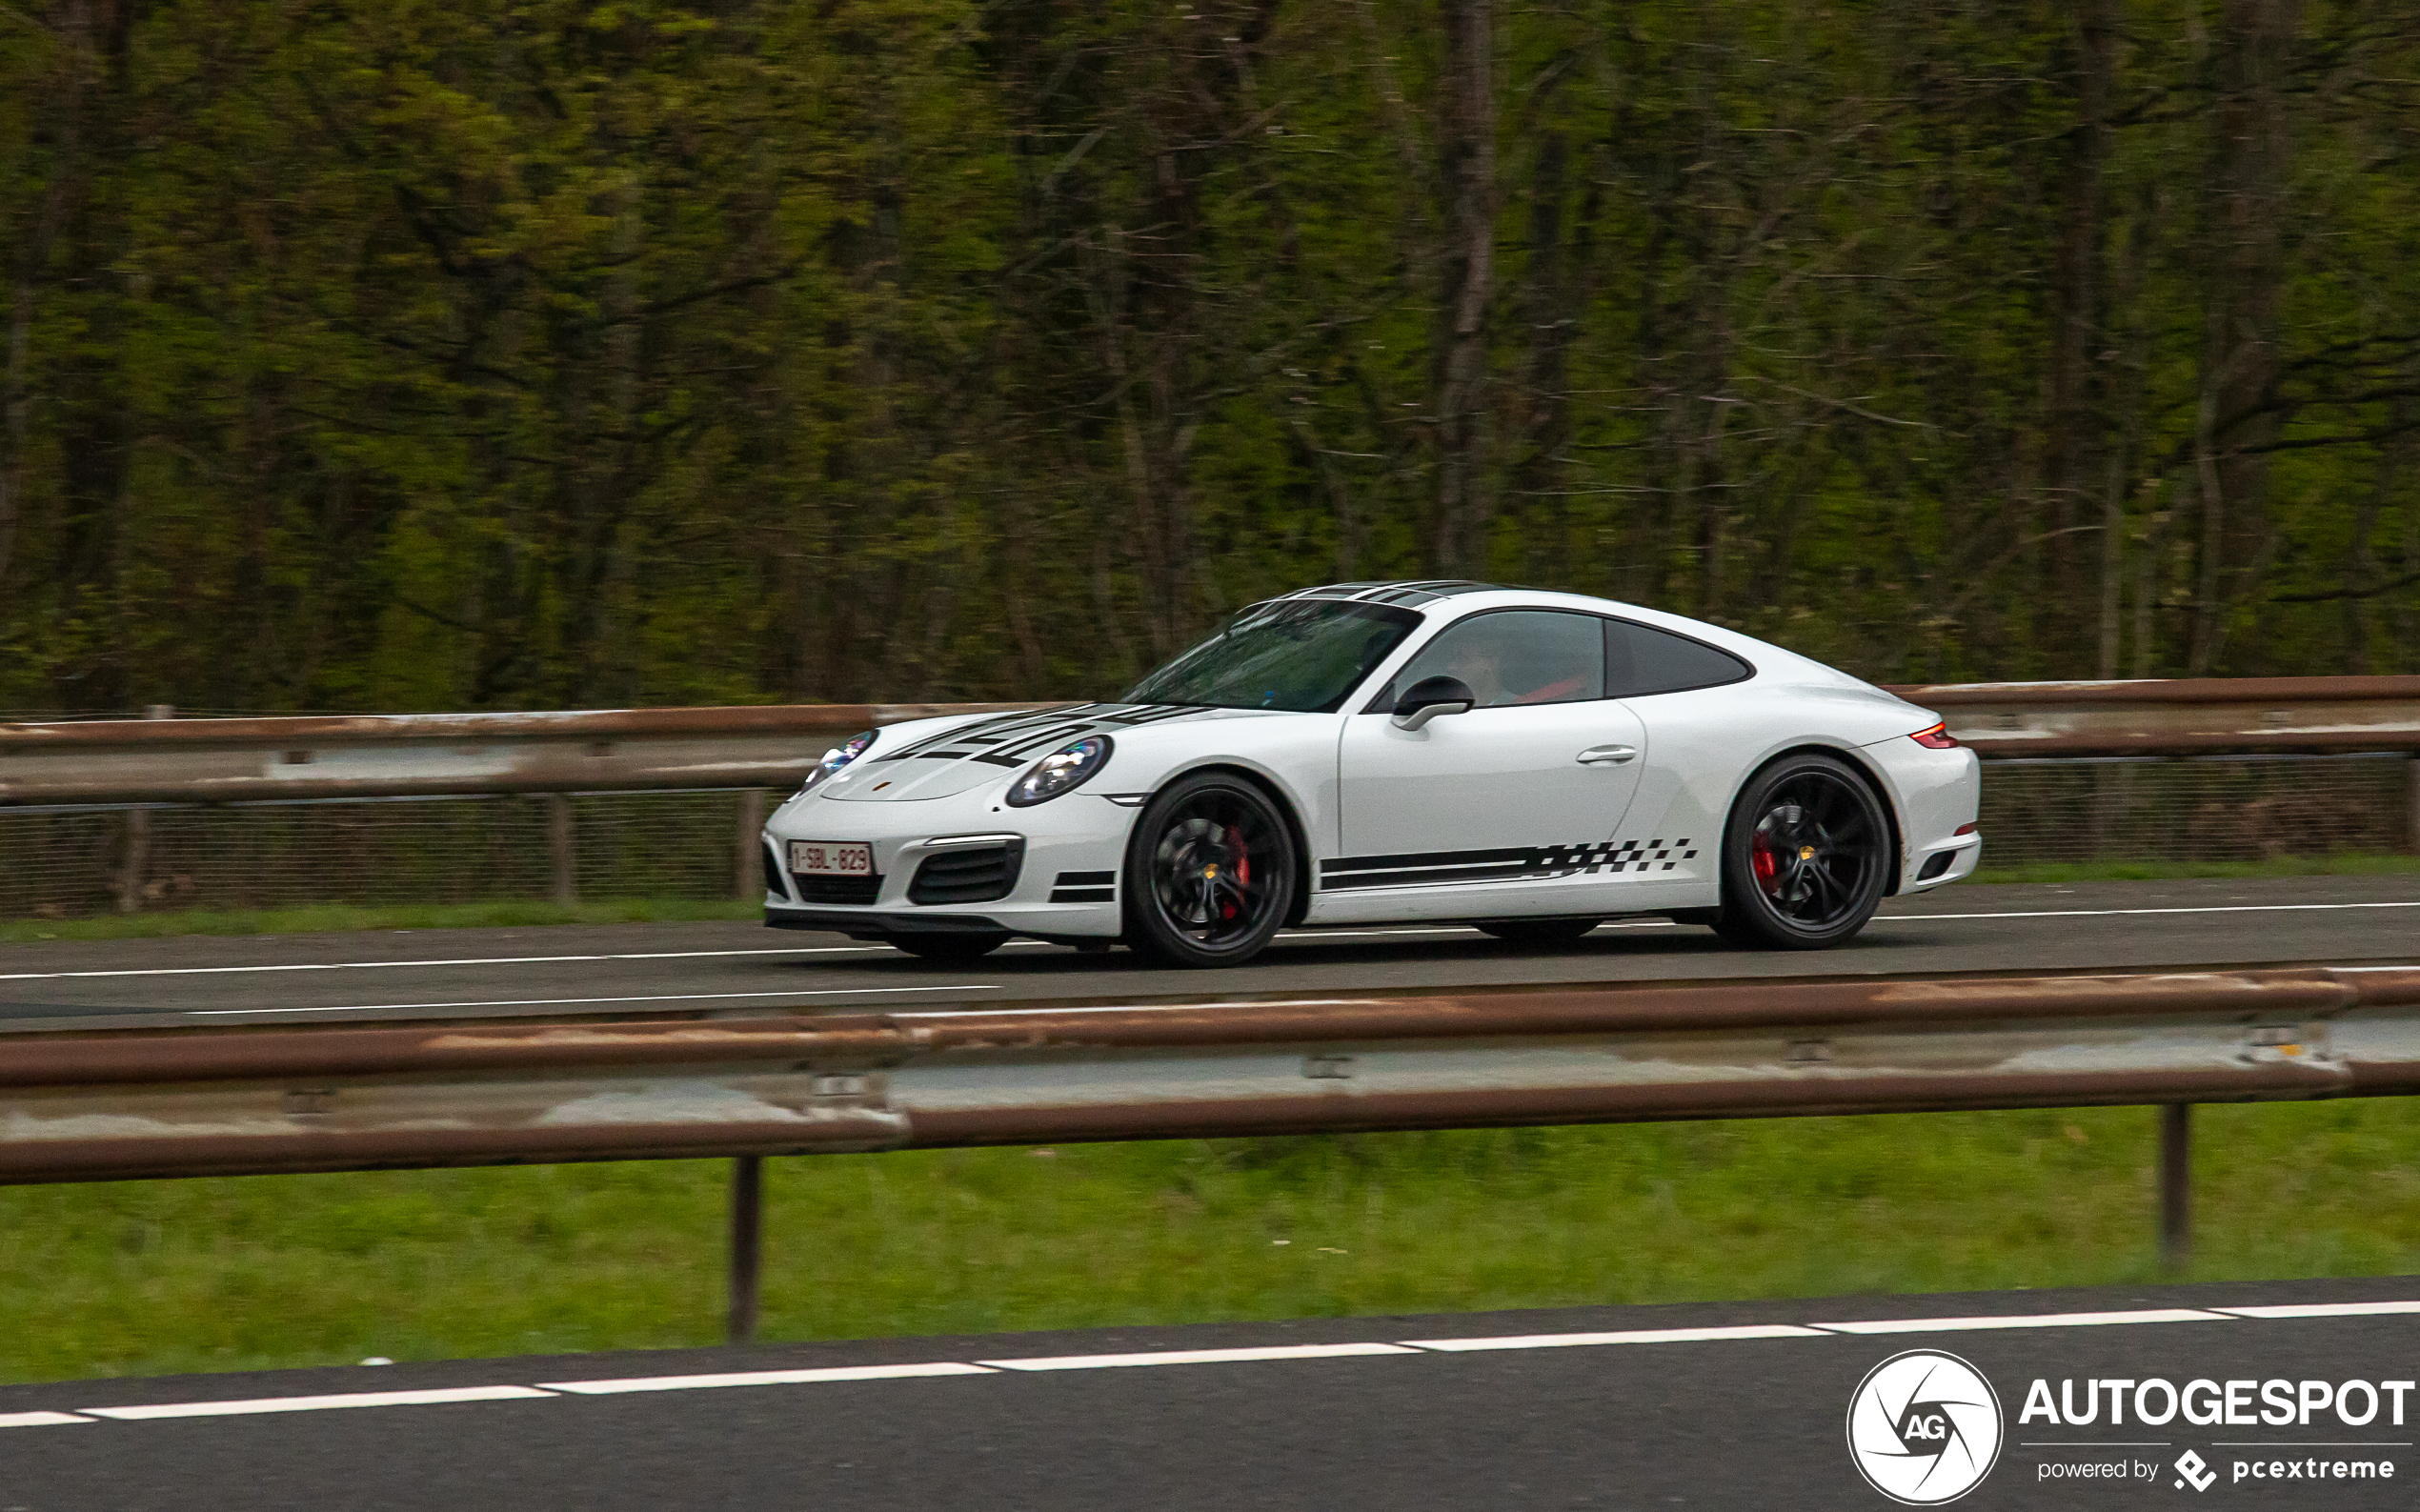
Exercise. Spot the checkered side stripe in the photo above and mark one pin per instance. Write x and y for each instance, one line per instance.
(1513, 864)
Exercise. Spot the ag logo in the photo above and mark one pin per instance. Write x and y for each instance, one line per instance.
(1923, 1427)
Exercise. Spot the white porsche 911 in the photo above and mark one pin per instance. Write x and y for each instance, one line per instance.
(1527, 762)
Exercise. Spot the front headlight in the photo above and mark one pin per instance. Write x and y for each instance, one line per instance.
(1062, 770)
(838, 756)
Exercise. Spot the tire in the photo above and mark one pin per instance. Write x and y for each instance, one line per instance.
(1804, 856)
(950, 947)
(1538, 934)
(1210, 873)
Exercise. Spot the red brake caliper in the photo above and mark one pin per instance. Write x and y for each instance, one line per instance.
(1242, 864)
(1762, 860)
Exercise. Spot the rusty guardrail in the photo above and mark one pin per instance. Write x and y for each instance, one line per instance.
(2180, 717)
(247, 1101)
(425, 755)
(233, 1102)
(770, 746)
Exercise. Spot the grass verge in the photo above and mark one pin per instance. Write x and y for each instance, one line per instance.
(146, 1278)
(405, 915)
(2342, 864)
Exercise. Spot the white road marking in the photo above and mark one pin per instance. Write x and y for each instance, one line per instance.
(350, 1398)
(2110, 913)
(1132, 1008)
(1305, 934)
(1945, 1325)
(2322, 1310)
(1634, 1336)
(557, 1390)
(560, 1003)
(471, 961)
(764, 1378)
(1198, 1356)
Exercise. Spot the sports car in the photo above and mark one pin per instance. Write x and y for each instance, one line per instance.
(1531, 763)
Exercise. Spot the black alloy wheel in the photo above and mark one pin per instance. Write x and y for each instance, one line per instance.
(1805, 856)
(951, 946)
(1209, 873)
(1538, 934)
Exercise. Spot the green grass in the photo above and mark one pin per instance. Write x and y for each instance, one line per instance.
(2342, 864)
(407, 915)
(142, 1277)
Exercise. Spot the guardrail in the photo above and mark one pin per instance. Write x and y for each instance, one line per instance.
(248, 1101)
(168, 760)
(2182, 716)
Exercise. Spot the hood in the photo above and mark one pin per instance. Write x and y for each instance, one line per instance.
(947, 762)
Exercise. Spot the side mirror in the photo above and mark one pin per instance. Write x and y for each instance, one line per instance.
(1430, 697)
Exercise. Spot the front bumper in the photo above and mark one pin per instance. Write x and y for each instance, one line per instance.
(1067, 879)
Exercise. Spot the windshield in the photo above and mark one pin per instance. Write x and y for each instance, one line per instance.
(1302, 655)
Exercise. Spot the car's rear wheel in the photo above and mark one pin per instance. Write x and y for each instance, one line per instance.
(1209, 873)
(1804, 856)
(970, 946)
(1538, 934)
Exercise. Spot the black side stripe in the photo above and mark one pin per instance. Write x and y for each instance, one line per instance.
(1517, 865)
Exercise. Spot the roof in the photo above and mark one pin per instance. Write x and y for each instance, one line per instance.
(1424, 592)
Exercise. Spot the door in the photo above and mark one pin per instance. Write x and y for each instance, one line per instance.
(1508, 809)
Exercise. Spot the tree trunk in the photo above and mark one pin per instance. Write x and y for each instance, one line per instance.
(2244, 220)
(1467, 155)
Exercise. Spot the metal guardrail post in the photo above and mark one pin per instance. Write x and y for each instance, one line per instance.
(747, 871)
(564, 856)
(747, 1244)
(2413, 767)
(138, 839)
(2176, 1184)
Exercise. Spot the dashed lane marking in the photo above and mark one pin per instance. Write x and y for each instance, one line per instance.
(570, 1002)
(764, 1378)
(338, 1402)
(1305, 936)
(1199, 1357)
(2322, 1310)
(2110, 913)
(558, 1389)
(1635, 1336)
(1956, 1325)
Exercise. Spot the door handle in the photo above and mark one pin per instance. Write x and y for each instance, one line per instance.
(1607, 755)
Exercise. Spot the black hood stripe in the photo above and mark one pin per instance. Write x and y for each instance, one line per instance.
(1013, 739)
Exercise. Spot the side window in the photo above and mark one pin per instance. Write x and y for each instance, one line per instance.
(1640, 661)
(1515, 657)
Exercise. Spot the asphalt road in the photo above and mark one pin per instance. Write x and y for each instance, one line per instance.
(1335, 1414)
(744, 968)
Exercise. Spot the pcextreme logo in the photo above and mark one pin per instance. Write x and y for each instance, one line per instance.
(1923, 1427)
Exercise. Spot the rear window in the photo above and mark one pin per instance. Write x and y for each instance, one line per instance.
(1640, 661)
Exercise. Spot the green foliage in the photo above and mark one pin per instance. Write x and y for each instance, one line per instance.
(144, 1277)
(556, 352)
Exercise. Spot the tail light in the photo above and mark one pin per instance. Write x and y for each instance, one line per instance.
(1936, 739)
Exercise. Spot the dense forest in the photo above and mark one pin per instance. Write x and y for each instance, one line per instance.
(549, 352)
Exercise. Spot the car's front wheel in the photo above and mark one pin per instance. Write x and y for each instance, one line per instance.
(1805, 857)
(1209, 873)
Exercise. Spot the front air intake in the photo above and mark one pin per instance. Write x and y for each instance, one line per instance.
(968, 874)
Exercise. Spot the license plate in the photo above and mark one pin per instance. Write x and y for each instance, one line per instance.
(831, 858)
